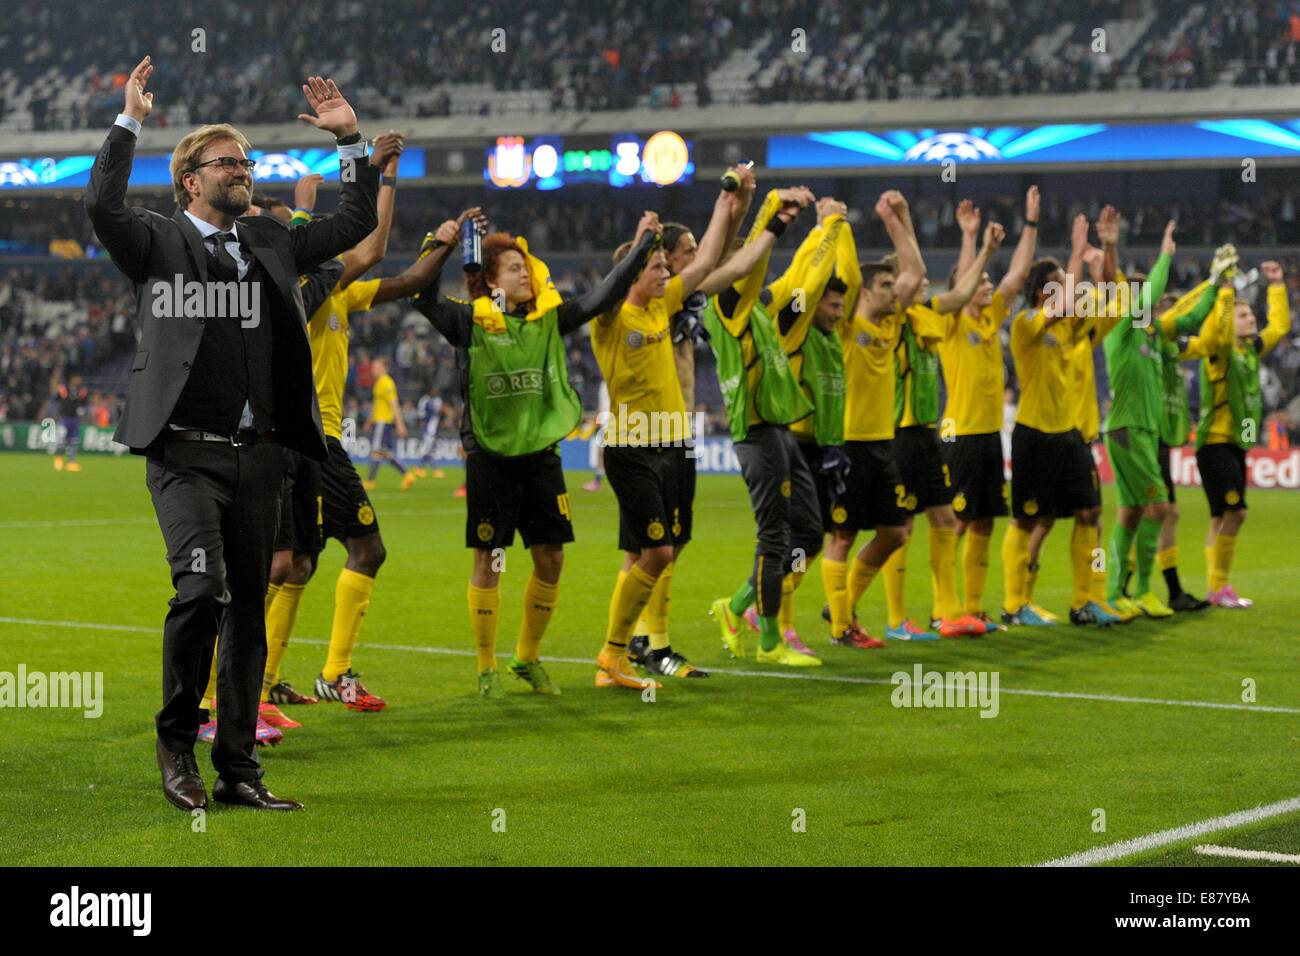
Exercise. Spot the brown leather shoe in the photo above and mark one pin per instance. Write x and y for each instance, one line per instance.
(182, 784)
(250, 793)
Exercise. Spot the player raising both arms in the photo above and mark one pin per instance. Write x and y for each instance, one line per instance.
(518, 405)
(920, 460)
(975, 376)
(687, 328)
(763, 398)
(647, 458)
(1231, 410)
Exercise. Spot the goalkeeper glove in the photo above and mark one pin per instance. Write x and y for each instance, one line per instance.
(835, 466)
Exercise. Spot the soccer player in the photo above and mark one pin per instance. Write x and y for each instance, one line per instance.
(1231, 409)
(876, 496)
(646, 440)
(1178, 317)
(331, 497)
(817, 361)
(429, 410)
(518, 404)
(680, 249)
(1133, 366)
(69, 401)
(763, 398)
(919, 458)
(386, 424)
(1052, 472)
(1103, 310)
(975, 376)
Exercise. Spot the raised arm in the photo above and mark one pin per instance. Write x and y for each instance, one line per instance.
(723, 225)
(614, 286)
(424, 270)
(968, 220)
(893, 211)
(968, 282)
(1078, 246)
(1279, 308)
(746, 268)
(1108, 236)
(328, 236)
(452, 319)
(1026, 248)
(849, 270)
(124, 234)
(370, 251)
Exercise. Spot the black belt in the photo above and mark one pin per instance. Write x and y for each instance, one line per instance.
(242, 437)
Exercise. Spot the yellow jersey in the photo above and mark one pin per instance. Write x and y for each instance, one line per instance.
(869, 374)
(328, 331)
(973, 370)
(385, 402)
(1220, 339)
(634, 350)
(1043, 365)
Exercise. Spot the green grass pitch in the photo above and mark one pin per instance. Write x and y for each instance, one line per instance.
(711, 772)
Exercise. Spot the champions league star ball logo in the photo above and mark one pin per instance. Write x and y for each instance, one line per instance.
(281, 166)
(961, 146)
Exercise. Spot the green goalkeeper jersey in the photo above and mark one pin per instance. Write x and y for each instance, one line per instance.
(1133, 361)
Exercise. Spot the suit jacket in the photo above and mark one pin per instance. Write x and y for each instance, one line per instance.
(150, 248)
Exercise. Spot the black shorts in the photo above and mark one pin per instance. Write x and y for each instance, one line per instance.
(1223, 474)
(1165, 471)
(655, 488)
(346, 510)
(1052, 473)
(525, 492)
(877, 495)
(301, 508)
(978, 478)
(922, 468)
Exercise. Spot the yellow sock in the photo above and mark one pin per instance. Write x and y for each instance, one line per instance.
(943, 572)
(861, 575)
(975, 570)
(210, 693)
(656, 611)
(785, 616)
(280, 617)
(895, 576)
(1168, 558)
(835, 583)
(1224, 546)
(351, 598)
(484, 612)
(1082, 541)
(539, 605)
(630, 598)
(271, 591)
(1209, 567)
(1015, 565)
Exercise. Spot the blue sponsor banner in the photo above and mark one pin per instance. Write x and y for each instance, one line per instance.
(71, 172)
(1053, 143)
(712, 455)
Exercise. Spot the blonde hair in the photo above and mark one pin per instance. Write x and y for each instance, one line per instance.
(191, 147)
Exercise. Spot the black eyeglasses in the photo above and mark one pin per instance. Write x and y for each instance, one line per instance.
(227, 163)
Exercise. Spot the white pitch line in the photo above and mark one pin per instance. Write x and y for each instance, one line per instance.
(732, 672)
(1117, 851)
(1209, 849)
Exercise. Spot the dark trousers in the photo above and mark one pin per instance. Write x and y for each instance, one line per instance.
(786, 509)
(218, 507)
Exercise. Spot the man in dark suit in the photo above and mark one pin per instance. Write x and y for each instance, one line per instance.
(221, 381)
